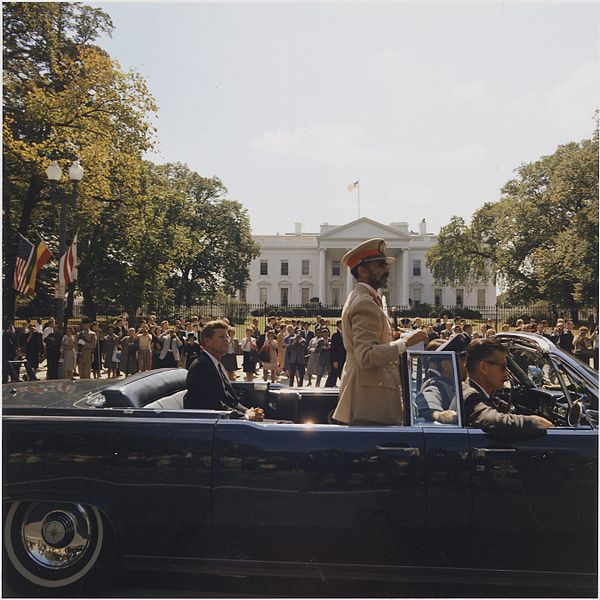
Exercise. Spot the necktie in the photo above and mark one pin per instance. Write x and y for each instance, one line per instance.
(377, 299)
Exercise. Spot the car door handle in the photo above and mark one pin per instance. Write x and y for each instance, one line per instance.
(401, 449)
(481, 452)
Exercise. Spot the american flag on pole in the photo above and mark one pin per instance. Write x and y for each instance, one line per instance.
(352, 186)
(24, 260)
(67, 269)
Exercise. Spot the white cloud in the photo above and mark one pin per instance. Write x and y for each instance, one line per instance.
(469, 91)
(571, 104)
(328, 143)
(467, 156)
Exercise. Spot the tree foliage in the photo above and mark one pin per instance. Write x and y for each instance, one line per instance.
(540, 240)
(64, 98)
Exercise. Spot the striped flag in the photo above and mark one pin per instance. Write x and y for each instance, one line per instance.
(67, 270)
(24, 259)
(41, 255)
(352, 186)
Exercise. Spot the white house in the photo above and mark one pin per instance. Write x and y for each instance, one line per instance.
(295, 267)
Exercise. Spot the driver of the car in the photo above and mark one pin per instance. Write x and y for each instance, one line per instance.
(487, 370)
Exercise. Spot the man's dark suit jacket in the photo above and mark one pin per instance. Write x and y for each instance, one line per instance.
(338, 352)
(206, 388)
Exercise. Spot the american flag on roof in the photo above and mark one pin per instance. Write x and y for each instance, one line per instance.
(352, 186)
(24, 260)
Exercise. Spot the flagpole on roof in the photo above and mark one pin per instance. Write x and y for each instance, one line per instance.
(358, 188)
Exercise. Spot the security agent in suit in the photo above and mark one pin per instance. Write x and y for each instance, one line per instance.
(436, 400)
(487, 370)
(207, 383)
(337, 357)
(370, 384)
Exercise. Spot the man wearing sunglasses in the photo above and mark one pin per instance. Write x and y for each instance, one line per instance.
(487, 370)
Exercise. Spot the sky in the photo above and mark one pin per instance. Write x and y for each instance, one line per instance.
(431, 106)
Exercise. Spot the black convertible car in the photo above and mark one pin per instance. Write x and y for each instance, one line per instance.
(116, 470)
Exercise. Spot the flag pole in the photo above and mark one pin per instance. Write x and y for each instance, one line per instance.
(358, 188)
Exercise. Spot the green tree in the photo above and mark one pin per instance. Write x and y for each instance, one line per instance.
(64, 96)
(540, 240)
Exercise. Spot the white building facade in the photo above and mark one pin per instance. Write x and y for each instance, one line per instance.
(295, 268)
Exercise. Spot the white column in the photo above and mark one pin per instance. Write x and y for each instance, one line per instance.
(405, 277)
(322, 276)
(349, 282)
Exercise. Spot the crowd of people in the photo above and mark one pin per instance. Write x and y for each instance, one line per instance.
(303, 352)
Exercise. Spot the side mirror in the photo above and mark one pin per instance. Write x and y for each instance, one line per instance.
(575, 413)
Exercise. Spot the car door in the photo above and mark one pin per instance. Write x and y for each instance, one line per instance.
(535, 500)
(319, 493)
(448, 536)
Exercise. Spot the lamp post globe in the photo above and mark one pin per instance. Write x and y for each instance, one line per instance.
(76, 171)
(54, 172)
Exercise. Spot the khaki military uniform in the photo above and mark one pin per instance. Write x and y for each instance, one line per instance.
(370, 383)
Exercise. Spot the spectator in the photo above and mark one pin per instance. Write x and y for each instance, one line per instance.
(191, 350)
(296, 360)
(67, 347)
(9, 351)
(156, 346)
(505, 327)
(519, 324)
(562, 338)
(111, 342)
(128, 353)
(323, 351)
(53, 339)
(446, 333)
(583, 345)
(144, 352)
(313, 357)
(86, 343)
(490, 332)
(34, 347)
(97, 351)
(229, 360)
(337, 356)
(169, 355)
(249, 353)
(269, 350)
(468, 329)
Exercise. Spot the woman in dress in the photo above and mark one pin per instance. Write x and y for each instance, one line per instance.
(249, 352)
(313, 357)
(144, 353)
(67, 348)
(111, 341)
(229, 361)
(128, 353)
(270, 347)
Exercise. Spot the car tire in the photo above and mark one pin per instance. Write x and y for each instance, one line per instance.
(52, 545)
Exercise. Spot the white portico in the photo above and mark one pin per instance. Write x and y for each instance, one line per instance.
(294, 268)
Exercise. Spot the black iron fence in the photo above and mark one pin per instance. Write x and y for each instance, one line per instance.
(241, 314)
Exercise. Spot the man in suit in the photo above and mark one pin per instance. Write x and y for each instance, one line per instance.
(207, 383)
(487, 369)
(337, 356)
(370, 386)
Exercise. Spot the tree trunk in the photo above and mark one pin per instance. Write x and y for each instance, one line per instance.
(89, 305)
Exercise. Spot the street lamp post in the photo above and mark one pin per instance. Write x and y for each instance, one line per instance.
(54, 174)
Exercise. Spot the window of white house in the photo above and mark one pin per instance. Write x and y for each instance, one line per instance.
(264, 267)
(416, 295)
(416, 268)
(284, 296)
(305, 267)
(335, 296)
(335, 268)
(285, 267)
(481, 297)
(460, 293)
(437, 296)
(262, 295)
(305, 294)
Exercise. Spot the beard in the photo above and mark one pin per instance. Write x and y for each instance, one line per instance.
(377, 283)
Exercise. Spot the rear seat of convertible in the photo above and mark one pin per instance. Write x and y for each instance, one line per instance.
(160, 388)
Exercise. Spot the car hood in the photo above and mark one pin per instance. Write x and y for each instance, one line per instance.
(57, 393)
